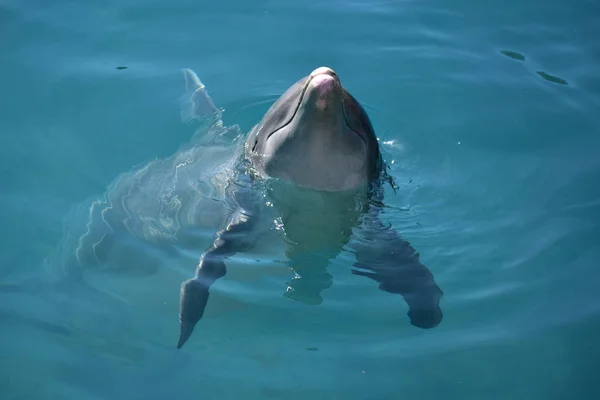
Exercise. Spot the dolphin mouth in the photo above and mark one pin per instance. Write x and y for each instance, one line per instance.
(322, 79)
(321, 73)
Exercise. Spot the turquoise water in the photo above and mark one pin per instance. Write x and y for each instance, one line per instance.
(487, 116)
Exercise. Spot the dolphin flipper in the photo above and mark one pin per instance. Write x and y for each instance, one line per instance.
(382, 255)
(239, 234)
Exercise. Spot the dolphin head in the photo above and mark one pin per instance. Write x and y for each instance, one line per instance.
(316, 135)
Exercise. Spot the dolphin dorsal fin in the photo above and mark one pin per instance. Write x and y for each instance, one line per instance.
(196, 103)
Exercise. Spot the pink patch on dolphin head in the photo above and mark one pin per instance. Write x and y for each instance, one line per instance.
(323, 83)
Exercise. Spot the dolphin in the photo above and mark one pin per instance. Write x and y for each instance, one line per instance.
(313, 160)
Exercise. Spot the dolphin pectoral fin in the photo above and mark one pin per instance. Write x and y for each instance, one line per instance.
(234, 238)
(394, 263)
(240, 233)
(192, 302)
(194, 295)
(415, 283)
(187, 328)
(425, 318)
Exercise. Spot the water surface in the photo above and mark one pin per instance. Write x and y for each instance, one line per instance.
(487, 116)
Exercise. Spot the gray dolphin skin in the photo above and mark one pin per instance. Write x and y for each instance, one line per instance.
(316, 155)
